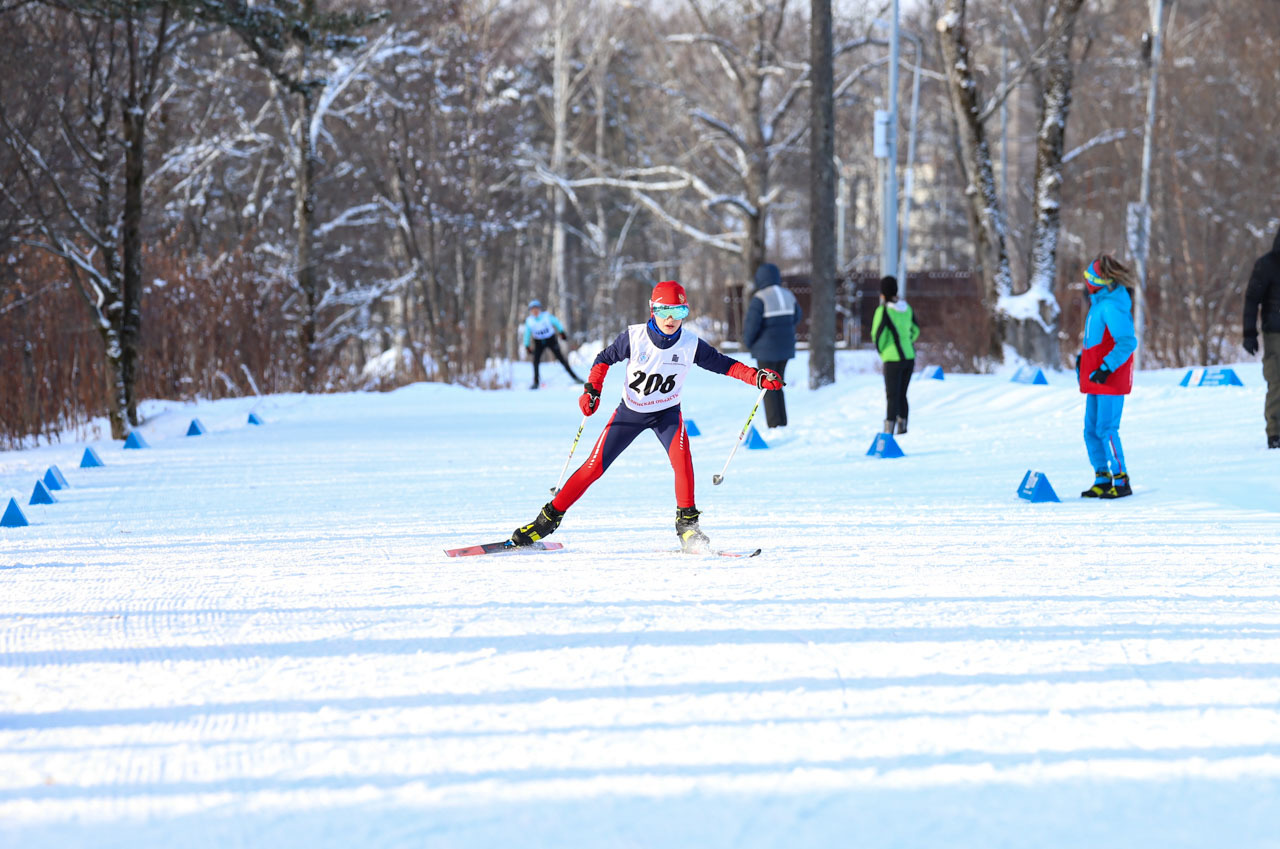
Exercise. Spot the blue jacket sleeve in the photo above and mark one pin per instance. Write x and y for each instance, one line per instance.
(528, 334)
(1120, 325)
(799, 315)
(555, 322)
(709, 358)
(617, 352)
(754, 324)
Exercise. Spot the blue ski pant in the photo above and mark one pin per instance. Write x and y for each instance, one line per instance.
(1102, 432)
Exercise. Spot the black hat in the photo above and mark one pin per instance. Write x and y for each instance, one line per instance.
(889, 287)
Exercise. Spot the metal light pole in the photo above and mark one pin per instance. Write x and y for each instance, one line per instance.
(1141, 227)
(908, 180)
(889, 220)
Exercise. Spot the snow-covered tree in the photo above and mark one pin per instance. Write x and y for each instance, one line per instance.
(1028, 319)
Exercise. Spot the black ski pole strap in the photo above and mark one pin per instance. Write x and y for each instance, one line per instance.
(893, 331)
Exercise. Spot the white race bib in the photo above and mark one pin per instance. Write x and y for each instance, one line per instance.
(540, 327)
(656, 375)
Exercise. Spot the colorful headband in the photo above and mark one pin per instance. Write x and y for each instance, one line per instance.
(1095, 279)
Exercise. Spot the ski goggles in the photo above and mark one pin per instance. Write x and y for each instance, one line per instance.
(676, 311)
(1094, 280)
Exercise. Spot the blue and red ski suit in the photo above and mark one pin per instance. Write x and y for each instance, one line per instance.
(626, 424)
(1109, 340)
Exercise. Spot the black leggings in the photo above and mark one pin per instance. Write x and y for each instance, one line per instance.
(896, 377)
(549, 344)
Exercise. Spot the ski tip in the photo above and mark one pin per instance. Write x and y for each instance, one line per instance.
(715, 480)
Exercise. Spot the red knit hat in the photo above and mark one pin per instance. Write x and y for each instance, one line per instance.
(667, 292)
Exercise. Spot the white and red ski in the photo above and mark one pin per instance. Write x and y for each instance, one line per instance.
(502, 548)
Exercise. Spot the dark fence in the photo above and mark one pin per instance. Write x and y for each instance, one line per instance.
(947, 304)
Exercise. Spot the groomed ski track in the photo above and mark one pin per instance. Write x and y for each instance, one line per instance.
(253, 638)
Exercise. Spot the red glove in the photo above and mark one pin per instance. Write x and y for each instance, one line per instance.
(590, 398)
(759, 378)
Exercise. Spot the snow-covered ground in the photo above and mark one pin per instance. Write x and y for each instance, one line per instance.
(253, 638)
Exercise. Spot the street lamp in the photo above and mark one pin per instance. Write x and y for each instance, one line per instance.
(890, 223)
(886, 148)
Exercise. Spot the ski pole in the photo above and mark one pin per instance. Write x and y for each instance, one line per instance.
(717, 479)
(572, 448)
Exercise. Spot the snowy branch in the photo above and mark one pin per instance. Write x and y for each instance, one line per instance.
(1100, 139)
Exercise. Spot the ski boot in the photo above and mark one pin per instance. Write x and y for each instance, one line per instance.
(1273, 441)
(889, 424)
(692, 539)
(1119, 487)
(902, 425)
(1101, 483)
(543, 526)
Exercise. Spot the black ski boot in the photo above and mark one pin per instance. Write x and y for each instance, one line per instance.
(1273, 441)
(902, 425)
(889, 425)
(543, 526)
(1119, 487)
(692, 539)
(1101, 483)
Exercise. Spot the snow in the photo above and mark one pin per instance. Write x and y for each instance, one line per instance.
(252, 638)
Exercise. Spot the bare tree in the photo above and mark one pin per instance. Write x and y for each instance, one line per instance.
(90, 213)
(1028, 319)
(294, 41)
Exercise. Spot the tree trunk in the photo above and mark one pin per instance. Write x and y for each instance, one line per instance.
(131, 248)
(822, 201)
(986, 218)
(1036, 330)
(305, 206)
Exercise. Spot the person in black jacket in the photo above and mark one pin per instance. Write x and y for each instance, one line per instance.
(1263, 292)
(770, 334)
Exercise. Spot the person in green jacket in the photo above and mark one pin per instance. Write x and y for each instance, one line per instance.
(894, 330)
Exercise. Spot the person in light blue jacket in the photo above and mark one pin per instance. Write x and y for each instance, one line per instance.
(1105, 372)
(540, 329)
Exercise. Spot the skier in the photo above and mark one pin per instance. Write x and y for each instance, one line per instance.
(895, 331)
(660, 354)
(1105, 371)
(540, 329)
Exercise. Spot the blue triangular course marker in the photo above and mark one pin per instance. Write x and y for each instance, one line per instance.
(54, 480)
(1211, 377)
(196, 428)
(1035, 488)
(90, 460)
(884, 445)
(13, 516)
(691, 428)
(1032, 375)
(42, 495)
(135, 440)
(932, 372)
(254, 420)
(754, 440)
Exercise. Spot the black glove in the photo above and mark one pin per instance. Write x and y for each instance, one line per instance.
(1251, 344)
(528, 349)
(562, 336)
(1077, 366)
(1100, 375)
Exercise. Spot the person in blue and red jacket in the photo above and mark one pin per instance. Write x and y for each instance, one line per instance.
(1105, 372)
(659, 353)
